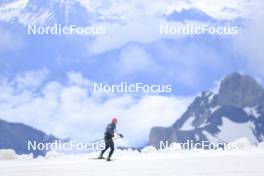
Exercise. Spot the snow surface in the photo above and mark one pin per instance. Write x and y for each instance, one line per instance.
(211, 138)
(188, 125)
(252, 111)
(214, 109)
(210, 98)
(12, 9)
(7, 155)
(241, 144)
(152, 163)
(231, 131)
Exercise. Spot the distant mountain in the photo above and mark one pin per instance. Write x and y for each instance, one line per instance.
(190, 15)
(48, 12)
(236, 110)
(16, 136)
(197, 15)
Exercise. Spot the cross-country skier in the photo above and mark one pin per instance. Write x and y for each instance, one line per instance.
(110, 132)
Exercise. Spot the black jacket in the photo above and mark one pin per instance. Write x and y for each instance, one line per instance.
(110, 131)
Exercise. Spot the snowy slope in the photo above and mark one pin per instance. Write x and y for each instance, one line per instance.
(231, 131)
(192, 163)
(46, 12)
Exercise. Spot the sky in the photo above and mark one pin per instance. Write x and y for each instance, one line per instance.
(45, 81)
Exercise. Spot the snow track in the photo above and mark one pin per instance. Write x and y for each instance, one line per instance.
(192, 163)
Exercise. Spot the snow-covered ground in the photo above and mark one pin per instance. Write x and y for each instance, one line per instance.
(245, 162)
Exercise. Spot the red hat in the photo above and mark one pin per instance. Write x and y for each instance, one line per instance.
(114, 120)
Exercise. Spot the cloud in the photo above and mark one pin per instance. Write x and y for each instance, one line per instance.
(135, 9)
(224, 9)
(249, 43)
(189, 63)
(152, 111)
(72, 110)
(31, 79)
(143, 30)
(134, 59)
(126, 22)
(124, 10)
(9, 41)
(140, 22)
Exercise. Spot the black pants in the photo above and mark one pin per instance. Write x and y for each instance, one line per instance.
(109, 143)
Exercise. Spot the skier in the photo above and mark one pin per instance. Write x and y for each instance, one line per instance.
(108, 139)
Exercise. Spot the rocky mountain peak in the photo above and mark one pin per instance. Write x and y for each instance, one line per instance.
(240, 91)
(239, 105)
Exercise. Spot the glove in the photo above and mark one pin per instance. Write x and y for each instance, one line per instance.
(121, 135)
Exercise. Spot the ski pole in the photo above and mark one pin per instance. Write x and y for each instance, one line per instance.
(101, 139)
(96, 140)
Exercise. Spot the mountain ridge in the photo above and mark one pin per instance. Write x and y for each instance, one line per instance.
(16, 136)
(211, 116)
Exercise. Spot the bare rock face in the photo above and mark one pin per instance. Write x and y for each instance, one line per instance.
(240, 91)
(211, 116)
(162, 134)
